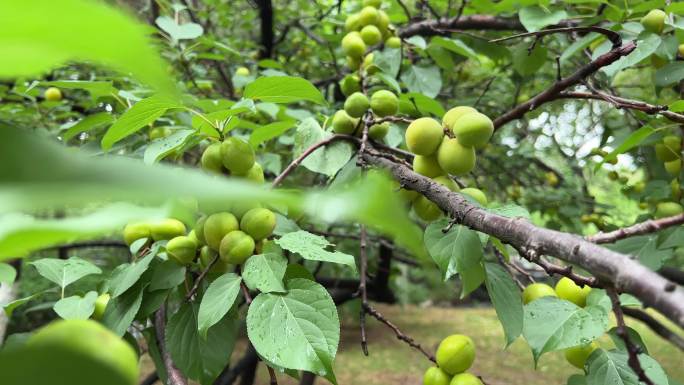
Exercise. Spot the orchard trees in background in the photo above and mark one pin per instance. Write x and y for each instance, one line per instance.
(279, 158)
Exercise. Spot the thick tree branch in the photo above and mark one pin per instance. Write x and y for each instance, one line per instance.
(619, 102)
(267, 36)
(470, 22)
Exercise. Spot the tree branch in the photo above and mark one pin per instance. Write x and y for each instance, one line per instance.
(646, 227)
(175, 377)
(470, 22)
(400, 335)
(660, 329)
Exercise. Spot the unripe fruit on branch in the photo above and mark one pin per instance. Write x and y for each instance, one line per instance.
(237, 155)
(673, 167)
(353, 62)
(667, 209)
(578, 355)
(455, 158)
(393, 42)
(211, 158)
(423, 136)
(100, 306)
(476, 194)
(427, 166)
(342, 123)
(551, 178)
(371, 35)
(255, 174)
(199, 230)
(242, 71)
(378, 131)
(455, 354)
(192, 235)
(568, 290)
(352, 23)
(159, 132)
(353, 45)
(258, 223)
(680, 50)
(134, 231)
(217, 226)
(454, 114)
(356, 105)
(384, 103)
(369, 15)
(240, 208)
(236, 247)
(465, 379)
(206, 256)
(350, 84)
(53, 94)
(675, 189)
(368, 65)
(383, 23)
(425, 209)
(167, 229)
(181, 250)
(654, 21)
(447, 182)
(536, 291)
(436, 376)
(665, 153)
(473, 129)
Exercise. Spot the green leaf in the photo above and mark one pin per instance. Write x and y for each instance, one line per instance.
(612, 367)
(390, 81)
(96, 88)
(528, 63)
(126, 275)
(471, 279)
(506, 298)
(88, 123)
(553, 324)
(269, 131)
(32, 45)
(313, 247)
(423, 80)
(10, 306)
(65, 272)
(327, 160)
(456, 46)
(121, 310)
(299, 330)
(454, 252)
(142, 113)
(153, 351)
(177, 31)
(643, 247)
(217, 300)
(76, 307)
(7, 273)
(283, 89)
(669, 74)
(421, 104)
(264, 272)
(417, 41)
(167, 275)
(388, 60)
(161, 148)
(535, 18)
(645, 47)
(633, 140)
(633, 336)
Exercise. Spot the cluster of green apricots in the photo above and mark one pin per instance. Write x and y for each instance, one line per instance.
(233, 156)
(568, 290)
(669, 152)
(447, 148)
(455, 354)
(654, 22)
(367, 28)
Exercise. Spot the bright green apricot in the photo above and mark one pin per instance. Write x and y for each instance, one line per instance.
(350, 84)
(673, 142)
(536, 291)
(425, 209)
(383, 23)
(675, 189)
(667, 209)
(423, 136)
(368, 65)
(654, 21)
(239, 209)
(212, 159)
(242, 71)
(237, 156)
(446, 182)
(371, 35)
(236, 247)
(53, 94)
(455, 354)
(353, 45)
(455, 158)
(453, 114)
(255, 174)
(193, 235)
(181, 249)
(100, 306)
(258, 223)
(217, 226)
(568, 290)
(356, 105)
(134, 231)
(476, 194)
(664, 153)
(159, 132)
(393, 42)
(673, 167)
(199, 229)
(167, 229)
(473, 129)
(352, 23)
(372, 3)
(342, 123)
(384, 103)
(369, 15)
(378, 131)
(353, 62)
(465, 379)
(578, 355)
(435, 376)
(427, 166)
(206, 256)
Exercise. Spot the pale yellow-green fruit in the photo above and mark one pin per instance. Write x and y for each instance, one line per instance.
(384, 103)
(473, 129)
(240, 208)
(667, 209)
(134, 231)
(393, 42)
(680, 50)
(368, 65)
(435, 376)
(181, 249)
(353, 45)
(675, 189)
(207, 255)
(476, 194)
(455, 354)
(423, 136)
(536, 291)
(255, 174)
(551, 178)
(100, 306)
(92, 342)
(211, 158)
(193, 235)
(242, 71)
(455, 158)
(378, 131)
(383, 23)
(159, 132)
(237, 156)
(371, 35)
(217, 226)
(167, 229)
(258, 223)
(369, 15)
(425, 209)
(353, 62)
(350, 84)
(342, 123)
(356, 105)
(578, 355)
(236, 247)
(447, 182)
(465, 379)
(568, 290)
(427, 166)
(352, 23)
(372, 3)
(654, 21)
(199, 230)
(673, 167)
(53, 94)
(665, 153)
(454, 114)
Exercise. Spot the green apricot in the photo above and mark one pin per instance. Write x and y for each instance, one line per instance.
(352, 23)
(167, 229)
(435, 376)
(423, 136)
(217, 226)
(673, 167)
(667, 209)
(378, 131)
(182, 249)
(673, 142)
(664, 153)
(255, 174)
(259, 223)
(239, 209)
(455, 354)
(350, 84)
(368, 65)
(242, 71)
(476, 194)
(237, 155)
(199, 230)
(383, 23)
(372, 3)
(342, 123)
(193, 235)
(353, 45)
(236, 247)
(455, 158)
(447, 182)
(53, 94)
(577, 356)
(384, 103)
(100, 306)
(393, 42)
(371, 35)
(473, 129)
(568, 290)
(159, 132)
(353, 62)
(465, 379)
(453, 114)
(206, 256)
(654, 21)
(425, 209)
(134, 231)
(536, 291)
(369, 15)
(427, 166)
(356, 105)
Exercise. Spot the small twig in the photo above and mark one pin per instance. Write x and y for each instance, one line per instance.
(486, 88)
(245, 292)
(271, 373)
(552, 268)
(405, 8)
(613, 36)
(199, 279)
(508, 267)
(646, 227)
(400, 335)
(362, 291)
